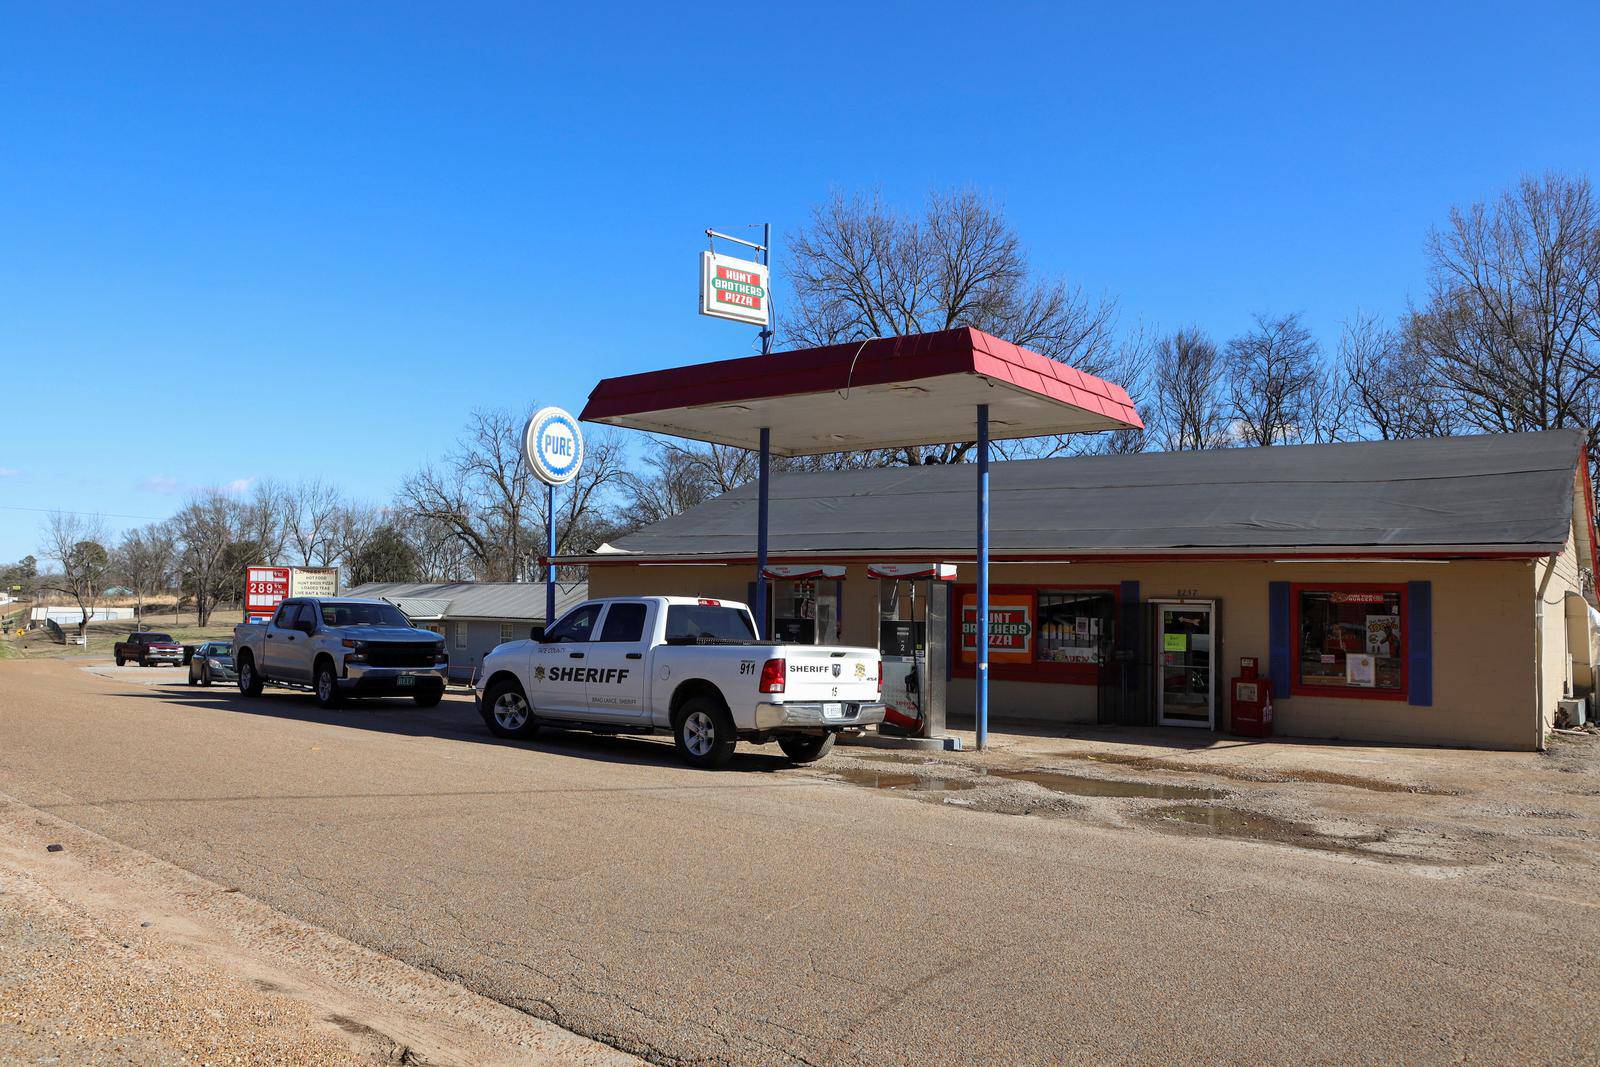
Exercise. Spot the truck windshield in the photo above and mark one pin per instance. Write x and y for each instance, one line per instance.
(701, 622)
(152, 638)
(363, 615)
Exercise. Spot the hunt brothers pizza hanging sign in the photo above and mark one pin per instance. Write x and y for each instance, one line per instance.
(734, 289)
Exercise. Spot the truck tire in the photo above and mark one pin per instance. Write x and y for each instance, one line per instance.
(428, 698)
(249, 680)
(120, 661)
(806, 749)
(507, 712)
(704, 732)
(327, 686)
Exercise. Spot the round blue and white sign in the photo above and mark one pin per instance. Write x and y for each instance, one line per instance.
(553, 446)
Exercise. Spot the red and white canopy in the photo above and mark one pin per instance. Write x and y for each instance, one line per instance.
(888, 392)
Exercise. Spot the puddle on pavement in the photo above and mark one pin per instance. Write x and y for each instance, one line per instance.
(908, 782)
(1074, 784)
(1219, 820)
(1265, 776)
(1083, 786)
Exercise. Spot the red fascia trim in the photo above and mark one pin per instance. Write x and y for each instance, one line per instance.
(880, 361)
(1080, 560)
(1296, 689)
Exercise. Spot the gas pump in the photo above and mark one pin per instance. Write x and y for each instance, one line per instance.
(912, 691)
(804, 600)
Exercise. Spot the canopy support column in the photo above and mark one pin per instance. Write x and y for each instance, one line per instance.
(550, 556)
(763, 469)
(982, 636)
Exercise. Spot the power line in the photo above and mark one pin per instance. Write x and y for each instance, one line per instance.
(91, 514)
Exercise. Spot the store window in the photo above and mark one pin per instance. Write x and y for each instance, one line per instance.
(1075, 626)
(1038, 633)
(1350, 640)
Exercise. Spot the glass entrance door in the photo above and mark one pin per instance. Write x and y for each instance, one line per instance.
(1186, 684)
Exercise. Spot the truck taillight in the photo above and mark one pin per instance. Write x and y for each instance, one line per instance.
(772, 676)
(880, 675)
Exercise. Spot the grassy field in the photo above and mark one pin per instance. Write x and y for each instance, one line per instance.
(104, 635)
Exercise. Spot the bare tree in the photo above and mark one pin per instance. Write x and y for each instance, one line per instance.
(77, 544)
(488, 501)
(144, 561)
(1273, 371)
(206, 529)
(1512, 319)
(262, 518)
(1187, 385)
(859, 269)
(1395, 390)
(675, 477)
(311, 519)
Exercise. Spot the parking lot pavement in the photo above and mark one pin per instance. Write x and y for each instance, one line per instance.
(768, 914)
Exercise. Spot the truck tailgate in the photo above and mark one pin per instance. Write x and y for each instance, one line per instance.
(829, 674)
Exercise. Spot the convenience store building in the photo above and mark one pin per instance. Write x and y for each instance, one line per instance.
(1427, 592)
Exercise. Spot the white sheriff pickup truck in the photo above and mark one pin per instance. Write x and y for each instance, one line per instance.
(638, 665)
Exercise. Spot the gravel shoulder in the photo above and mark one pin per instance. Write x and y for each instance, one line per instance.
(110, 956)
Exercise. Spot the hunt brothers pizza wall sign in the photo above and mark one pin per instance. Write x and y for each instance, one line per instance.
(734, 289)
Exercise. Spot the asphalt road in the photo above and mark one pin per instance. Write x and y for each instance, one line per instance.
(763, 914)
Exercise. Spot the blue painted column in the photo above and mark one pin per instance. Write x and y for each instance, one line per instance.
(982, 641)
(550, 555)
(762, 471)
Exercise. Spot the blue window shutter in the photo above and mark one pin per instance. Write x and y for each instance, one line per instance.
(1280, 648)
(1419, 642)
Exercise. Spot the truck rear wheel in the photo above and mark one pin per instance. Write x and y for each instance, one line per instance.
(249, 680)
(704, 732)
(806, 749)
(120, 661)
(507, 712)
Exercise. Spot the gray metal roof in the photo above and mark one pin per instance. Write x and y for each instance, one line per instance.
(1487, 492)
(474, 600)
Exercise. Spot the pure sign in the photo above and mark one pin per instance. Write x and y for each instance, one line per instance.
(553, 446)
(734, 289)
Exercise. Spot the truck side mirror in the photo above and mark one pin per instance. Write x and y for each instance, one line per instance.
(536, 633)
(306, 627)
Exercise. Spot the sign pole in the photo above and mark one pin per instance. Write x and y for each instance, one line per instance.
(766, 261)
(552, 445)
(550, 555)
(762, 469)
(982, 649)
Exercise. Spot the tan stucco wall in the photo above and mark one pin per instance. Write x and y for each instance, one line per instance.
(1483, 648)
(1557, 675)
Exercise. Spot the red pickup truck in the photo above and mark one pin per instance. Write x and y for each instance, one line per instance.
(146, 648)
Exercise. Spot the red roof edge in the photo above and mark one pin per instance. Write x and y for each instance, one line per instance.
(876, 361)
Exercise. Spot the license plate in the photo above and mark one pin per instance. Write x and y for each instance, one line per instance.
(405, 681)
(833, 711)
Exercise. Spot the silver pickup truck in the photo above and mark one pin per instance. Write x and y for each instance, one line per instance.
(338, 647)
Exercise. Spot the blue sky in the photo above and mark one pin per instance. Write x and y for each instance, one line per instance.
(248, 241)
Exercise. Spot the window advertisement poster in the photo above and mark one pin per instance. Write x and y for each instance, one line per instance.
(1383, 635)
(1359, 670)
(1010, 628)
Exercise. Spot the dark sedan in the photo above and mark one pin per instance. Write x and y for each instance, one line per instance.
(212, 661)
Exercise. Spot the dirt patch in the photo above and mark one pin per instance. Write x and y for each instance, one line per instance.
(108, 955)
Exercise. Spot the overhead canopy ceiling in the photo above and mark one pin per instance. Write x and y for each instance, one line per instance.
(889, 392)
